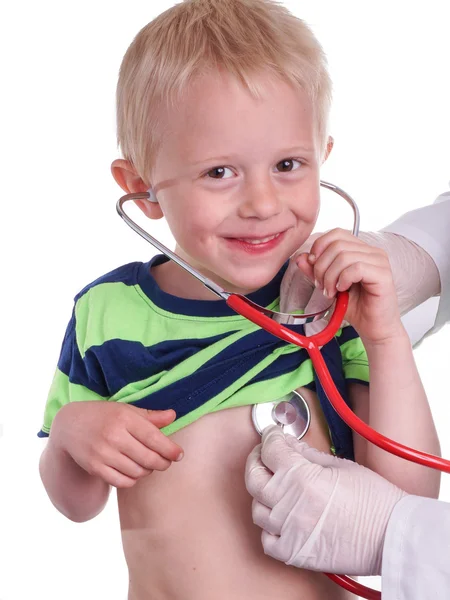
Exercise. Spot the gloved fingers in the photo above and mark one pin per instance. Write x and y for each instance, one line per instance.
(275, 452)
(262, 517)
(312, 454)
(256, 474)
(273, 547)
(317, 302)
(317, 457)
(296, 444)
(305, 267)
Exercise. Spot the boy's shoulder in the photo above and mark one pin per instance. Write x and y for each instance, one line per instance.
(127, 274)
(114, 296)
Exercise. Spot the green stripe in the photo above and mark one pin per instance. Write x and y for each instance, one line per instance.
(62, 391)
(354, 360)
(139, 389)
(115, 311)
(256, 393)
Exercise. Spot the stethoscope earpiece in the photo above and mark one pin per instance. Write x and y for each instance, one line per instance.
(152, 196)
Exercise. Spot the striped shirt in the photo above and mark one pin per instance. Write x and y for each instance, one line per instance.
(129, 341)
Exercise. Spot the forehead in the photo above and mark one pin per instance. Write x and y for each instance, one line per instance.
(218, 115)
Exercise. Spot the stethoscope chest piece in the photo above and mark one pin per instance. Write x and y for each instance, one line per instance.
(291, 413)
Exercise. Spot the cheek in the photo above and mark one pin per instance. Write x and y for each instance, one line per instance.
(191, 219)
(308, 206)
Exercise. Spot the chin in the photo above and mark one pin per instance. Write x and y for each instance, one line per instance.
(251, 283)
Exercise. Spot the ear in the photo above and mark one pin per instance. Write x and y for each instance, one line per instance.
(126, 176)
(330, 144)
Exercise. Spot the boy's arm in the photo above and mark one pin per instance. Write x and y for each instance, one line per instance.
(76, 494)
(396, 405)
(94, 445)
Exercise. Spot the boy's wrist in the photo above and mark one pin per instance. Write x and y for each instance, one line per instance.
(397, 335)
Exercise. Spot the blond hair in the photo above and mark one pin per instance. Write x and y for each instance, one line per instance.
(243, 37)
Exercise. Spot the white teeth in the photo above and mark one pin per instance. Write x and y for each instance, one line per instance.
(261, 241)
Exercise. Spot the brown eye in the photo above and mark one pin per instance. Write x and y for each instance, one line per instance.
(220, 173)
(288, 164)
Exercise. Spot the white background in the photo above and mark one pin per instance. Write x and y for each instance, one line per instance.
(390, 64)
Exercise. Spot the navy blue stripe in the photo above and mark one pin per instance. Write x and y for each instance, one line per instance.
(138, 272)
(348, 333)
(222, 371)
(193, 391)
(88, 373)
(124, 362)
(126, 274)
(341, 434)
(201, 308)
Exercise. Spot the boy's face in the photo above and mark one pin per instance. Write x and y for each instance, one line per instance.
(237, 178)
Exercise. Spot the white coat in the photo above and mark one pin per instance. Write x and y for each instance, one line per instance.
(416, 554)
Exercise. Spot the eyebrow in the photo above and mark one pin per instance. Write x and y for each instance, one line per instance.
(225, 159)
(298, 149)
(213, 159)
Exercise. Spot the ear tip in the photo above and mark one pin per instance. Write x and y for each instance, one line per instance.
(151, 195)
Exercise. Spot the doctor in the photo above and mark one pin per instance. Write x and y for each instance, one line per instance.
(362, 524)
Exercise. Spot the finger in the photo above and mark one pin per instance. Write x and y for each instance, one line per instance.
(140, 454)
(295, 444)
(160, 418)
(256, 474)
(115, 478)
(262, 518)
(336, 250)
(313, 455)
(322, 242)
(306, 246)
(342, 261)
(305, 267)
(272, 546)
(149, 435)
(317, 457)
(376, 280)
(125, 466)
(275, 453)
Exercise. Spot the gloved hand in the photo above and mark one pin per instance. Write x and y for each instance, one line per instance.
(416, 277)
(317, 511)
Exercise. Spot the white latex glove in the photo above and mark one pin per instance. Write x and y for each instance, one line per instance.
(416, 277)
(317, 511)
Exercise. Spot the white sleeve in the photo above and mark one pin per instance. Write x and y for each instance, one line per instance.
(416, 553)
(429, 228)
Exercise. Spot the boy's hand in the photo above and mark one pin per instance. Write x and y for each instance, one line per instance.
(117, 442)
(339, 261)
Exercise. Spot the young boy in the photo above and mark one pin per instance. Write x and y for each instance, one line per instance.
(222, 114)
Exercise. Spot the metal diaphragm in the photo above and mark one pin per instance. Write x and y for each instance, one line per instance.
(291, 413)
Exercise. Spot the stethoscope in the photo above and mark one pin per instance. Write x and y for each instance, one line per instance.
(292, 412)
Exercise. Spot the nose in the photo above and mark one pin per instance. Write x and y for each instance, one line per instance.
(259, 200)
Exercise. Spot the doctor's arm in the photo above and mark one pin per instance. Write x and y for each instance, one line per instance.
(425, 231)
(327, 514)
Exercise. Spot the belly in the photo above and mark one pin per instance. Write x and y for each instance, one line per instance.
(188, 532)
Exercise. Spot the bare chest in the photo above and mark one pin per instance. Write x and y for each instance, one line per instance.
(188, 532)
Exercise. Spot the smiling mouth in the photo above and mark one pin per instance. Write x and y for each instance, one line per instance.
(256, 245)
(256, 241)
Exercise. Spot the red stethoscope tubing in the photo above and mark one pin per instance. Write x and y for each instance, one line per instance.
(312, 346)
